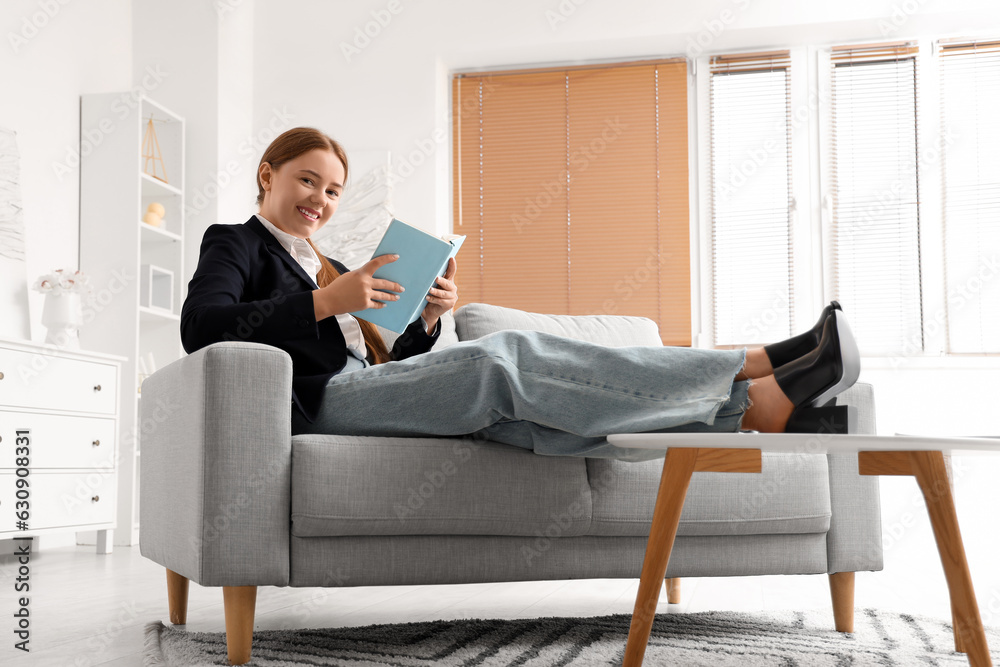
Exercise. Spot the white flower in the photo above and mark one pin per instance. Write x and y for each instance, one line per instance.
(63, 281)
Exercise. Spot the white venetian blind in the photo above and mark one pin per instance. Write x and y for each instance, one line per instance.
(874, 178)
(970, 128)
(751, 197)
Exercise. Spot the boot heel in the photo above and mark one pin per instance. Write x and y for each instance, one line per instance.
(831, 419)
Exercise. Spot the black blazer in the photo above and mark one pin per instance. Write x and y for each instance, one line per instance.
(247, 287)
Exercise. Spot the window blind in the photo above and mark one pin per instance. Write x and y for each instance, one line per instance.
(572, 186)
(970, 97)
(874, 181)
(750, 100)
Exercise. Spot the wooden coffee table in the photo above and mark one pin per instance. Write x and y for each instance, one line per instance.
(919, 456)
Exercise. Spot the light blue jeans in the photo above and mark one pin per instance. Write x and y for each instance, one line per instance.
(554, 395)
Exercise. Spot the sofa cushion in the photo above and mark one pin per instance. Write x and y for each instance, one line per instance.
(475, 320)
(367, 485)
(791, 494)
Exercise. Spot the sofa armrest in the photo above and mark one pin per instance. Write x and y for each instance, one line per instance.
(854, 542)
(215, 465)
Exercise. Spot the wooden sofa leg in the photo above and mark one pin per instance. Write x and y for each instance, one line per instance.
(674, 590)
(177, 597)
(240, 603)
(842, 592)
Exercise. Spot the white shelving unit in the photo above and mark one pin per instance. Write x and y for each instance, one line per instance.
(115, 192)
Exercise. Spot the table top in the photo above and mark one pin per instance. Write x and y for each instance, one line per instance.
(809, 443)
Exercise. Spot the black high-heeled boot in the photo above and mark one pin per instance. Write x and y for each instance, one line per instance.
(813, 381)
(790, 349)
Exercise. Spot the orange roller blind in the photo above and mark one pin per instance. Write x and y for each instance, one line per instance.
(572, 186)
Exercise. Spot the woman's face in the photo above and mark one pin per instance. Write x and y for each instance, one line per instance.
(302, 194)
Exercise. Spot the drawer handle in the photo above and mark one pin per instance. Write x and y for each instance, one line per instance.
(95, 499)
(96, 443)
(1, 375)
(97, 387)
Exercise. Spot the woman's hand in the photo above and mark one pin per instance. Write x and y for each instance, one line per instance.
(442, 298)
(356, 290)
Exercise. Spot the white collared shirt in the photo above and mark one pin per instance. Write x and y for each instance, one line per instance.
(303, 253)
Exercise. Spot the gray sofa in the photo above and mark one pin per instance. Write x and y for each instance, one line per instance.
(228, 497)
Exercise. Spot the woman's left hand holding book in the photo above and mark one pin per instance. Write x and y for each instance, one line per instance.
(442, 298)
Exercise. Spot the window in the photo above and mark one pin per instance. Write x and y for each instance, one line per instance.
(873, 186)
(572, 186)
(844, 182)
(970, 97)
(751, 198)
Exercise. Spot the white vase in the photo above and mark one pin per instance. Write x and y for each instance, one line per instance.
(62, 316)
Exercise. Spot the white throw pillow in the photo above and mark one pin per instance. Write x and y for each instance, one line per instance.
(474, 320)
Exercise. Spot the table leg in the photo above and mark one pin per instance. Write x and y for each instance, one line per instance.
(929, 469)
(678, 464)
(959, 648)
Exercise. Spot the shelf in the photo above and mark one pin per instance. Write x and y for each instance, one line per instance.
(157, 315)
(157, 234)
(148, 181)
(110, 207)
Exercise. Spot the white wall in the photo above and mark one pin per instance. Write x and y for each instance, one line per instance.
(239, 147)
(392, 92)
(47, 59)
(182, 39)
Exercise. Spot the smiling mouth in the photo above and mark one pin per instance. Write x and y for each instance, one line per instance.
(312, 215)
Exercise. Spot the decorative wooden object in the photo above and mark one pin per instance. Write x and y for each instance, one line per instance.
(151, 151)
(154, 214)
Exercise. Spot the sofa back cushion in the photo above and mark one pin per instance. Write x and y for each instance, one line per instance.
(474, 320)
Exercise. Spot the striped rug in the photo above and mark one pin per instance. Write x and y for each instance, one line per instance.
(713, 639)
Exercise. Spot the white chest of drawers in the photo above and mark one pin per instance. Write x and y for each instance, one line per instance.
(58, 433)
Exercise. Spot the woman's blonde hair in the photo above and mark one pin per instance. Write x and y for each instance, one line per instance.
(288, 146)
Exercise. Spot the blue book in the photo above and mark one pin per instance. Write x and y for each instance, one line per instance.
(423, 258)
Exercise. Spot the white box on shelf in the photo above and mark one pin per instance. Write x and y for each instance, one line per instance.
(157, 288)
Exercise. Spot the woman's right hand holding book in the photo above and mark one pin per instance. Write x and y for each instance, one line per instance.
(356, 290)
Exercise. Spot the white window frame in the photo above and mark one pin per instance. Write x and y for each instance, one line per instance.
(991, 358)
(811, 240)
(805, 286)
(929, 195)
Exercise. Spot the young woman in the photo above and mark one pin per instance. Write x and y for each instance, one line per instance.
(264, 281)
